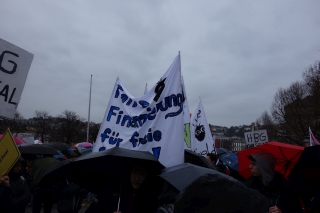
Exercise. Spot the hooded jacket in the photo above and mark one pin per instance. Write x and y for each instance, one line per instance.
(273, 185)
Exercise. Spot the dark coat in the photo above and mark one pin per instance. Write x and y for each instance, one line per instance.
(279, 191)
(39, 166)
(14, 199)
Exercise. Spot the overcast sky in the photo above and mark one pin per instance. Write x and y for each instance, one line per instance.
(234, 54)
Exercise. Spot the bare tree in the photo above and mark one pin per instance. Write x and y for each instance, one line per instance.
(43, 124)
(265, 122)
(311, 77)
(93, 131)
(70, 128)
(16, 125)
(289, 113)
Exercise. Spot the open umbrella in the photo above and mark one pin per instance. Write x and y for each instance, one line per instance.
(215, 193)
(37, 142)
(59, 146)
(16, 139)
(196, 159)
(306, 173)
(182, 175)
(84, 144)
(96, 169)
(231, 160)
(286, 156)
(55, 173)
(38, 149)
(85, 151)
(222, 151)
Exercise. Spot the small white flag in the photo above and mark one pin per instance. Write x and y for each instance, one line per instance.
(201, 138)
(313, 140)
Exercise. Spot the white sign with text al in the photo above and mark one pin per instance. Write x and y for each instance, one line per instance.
(14, 67)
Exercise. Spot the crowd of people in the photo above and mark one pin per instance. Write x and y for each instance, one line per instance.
(136, 193)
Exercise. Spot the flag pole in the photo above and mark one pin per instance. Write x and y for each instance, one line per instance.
(89, 110)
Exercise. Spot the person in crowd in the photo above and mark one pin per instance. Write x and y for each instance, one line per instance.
(88, 200)
(41, 195)
(167, 198)
(214, 160)
(130, 196)
(272, 184)
(70, 196)
(14, 191)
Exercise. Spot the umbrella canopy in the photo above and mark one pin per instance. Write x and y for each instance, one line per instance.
(219, 193)
(231, 160)
(182, 175)
(196, 159)
(306, 173)
(84, 150)
(55, 173)
(84, 144)
(97, 169)
(59, 146)
(37, 142)
(16, 139)
(38, 149)
(221, 151)
(286, 156)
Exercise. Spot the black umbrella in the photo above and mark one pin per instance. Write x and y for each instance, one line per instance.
(96, 169)
(196, 159)
(55, 173)
(220, 194)
(305, 175)
(59, 146)
(182, 175)
(37, 149)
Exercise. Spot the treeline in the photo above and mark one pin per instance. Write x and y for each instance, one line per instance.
(294, 109)
(68, 127)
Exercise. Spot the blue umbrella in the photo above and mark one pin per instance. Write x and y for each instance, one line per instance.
(231, 160)
(222, 151)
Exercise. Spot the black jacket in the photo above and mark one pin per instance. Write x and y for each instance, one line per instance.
(279, 191)
(15, 198)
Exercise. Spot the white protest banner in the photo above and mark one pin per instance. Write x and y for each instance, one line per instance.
(186, 117)
(256, 138)
(14, 67)
(201, 138)
(153, 122)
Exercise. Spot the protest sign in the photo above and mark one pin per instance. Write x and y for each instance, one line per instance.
(256, 138)
(14, 67)
(9, 152)
(201, 138)
(153, 122)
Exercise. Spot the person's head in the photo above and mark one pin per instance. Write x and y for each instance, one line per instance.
(29, 159)
(212, 158)
(138, 176)
(255, 171)
(262, 165)
(17, 168)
